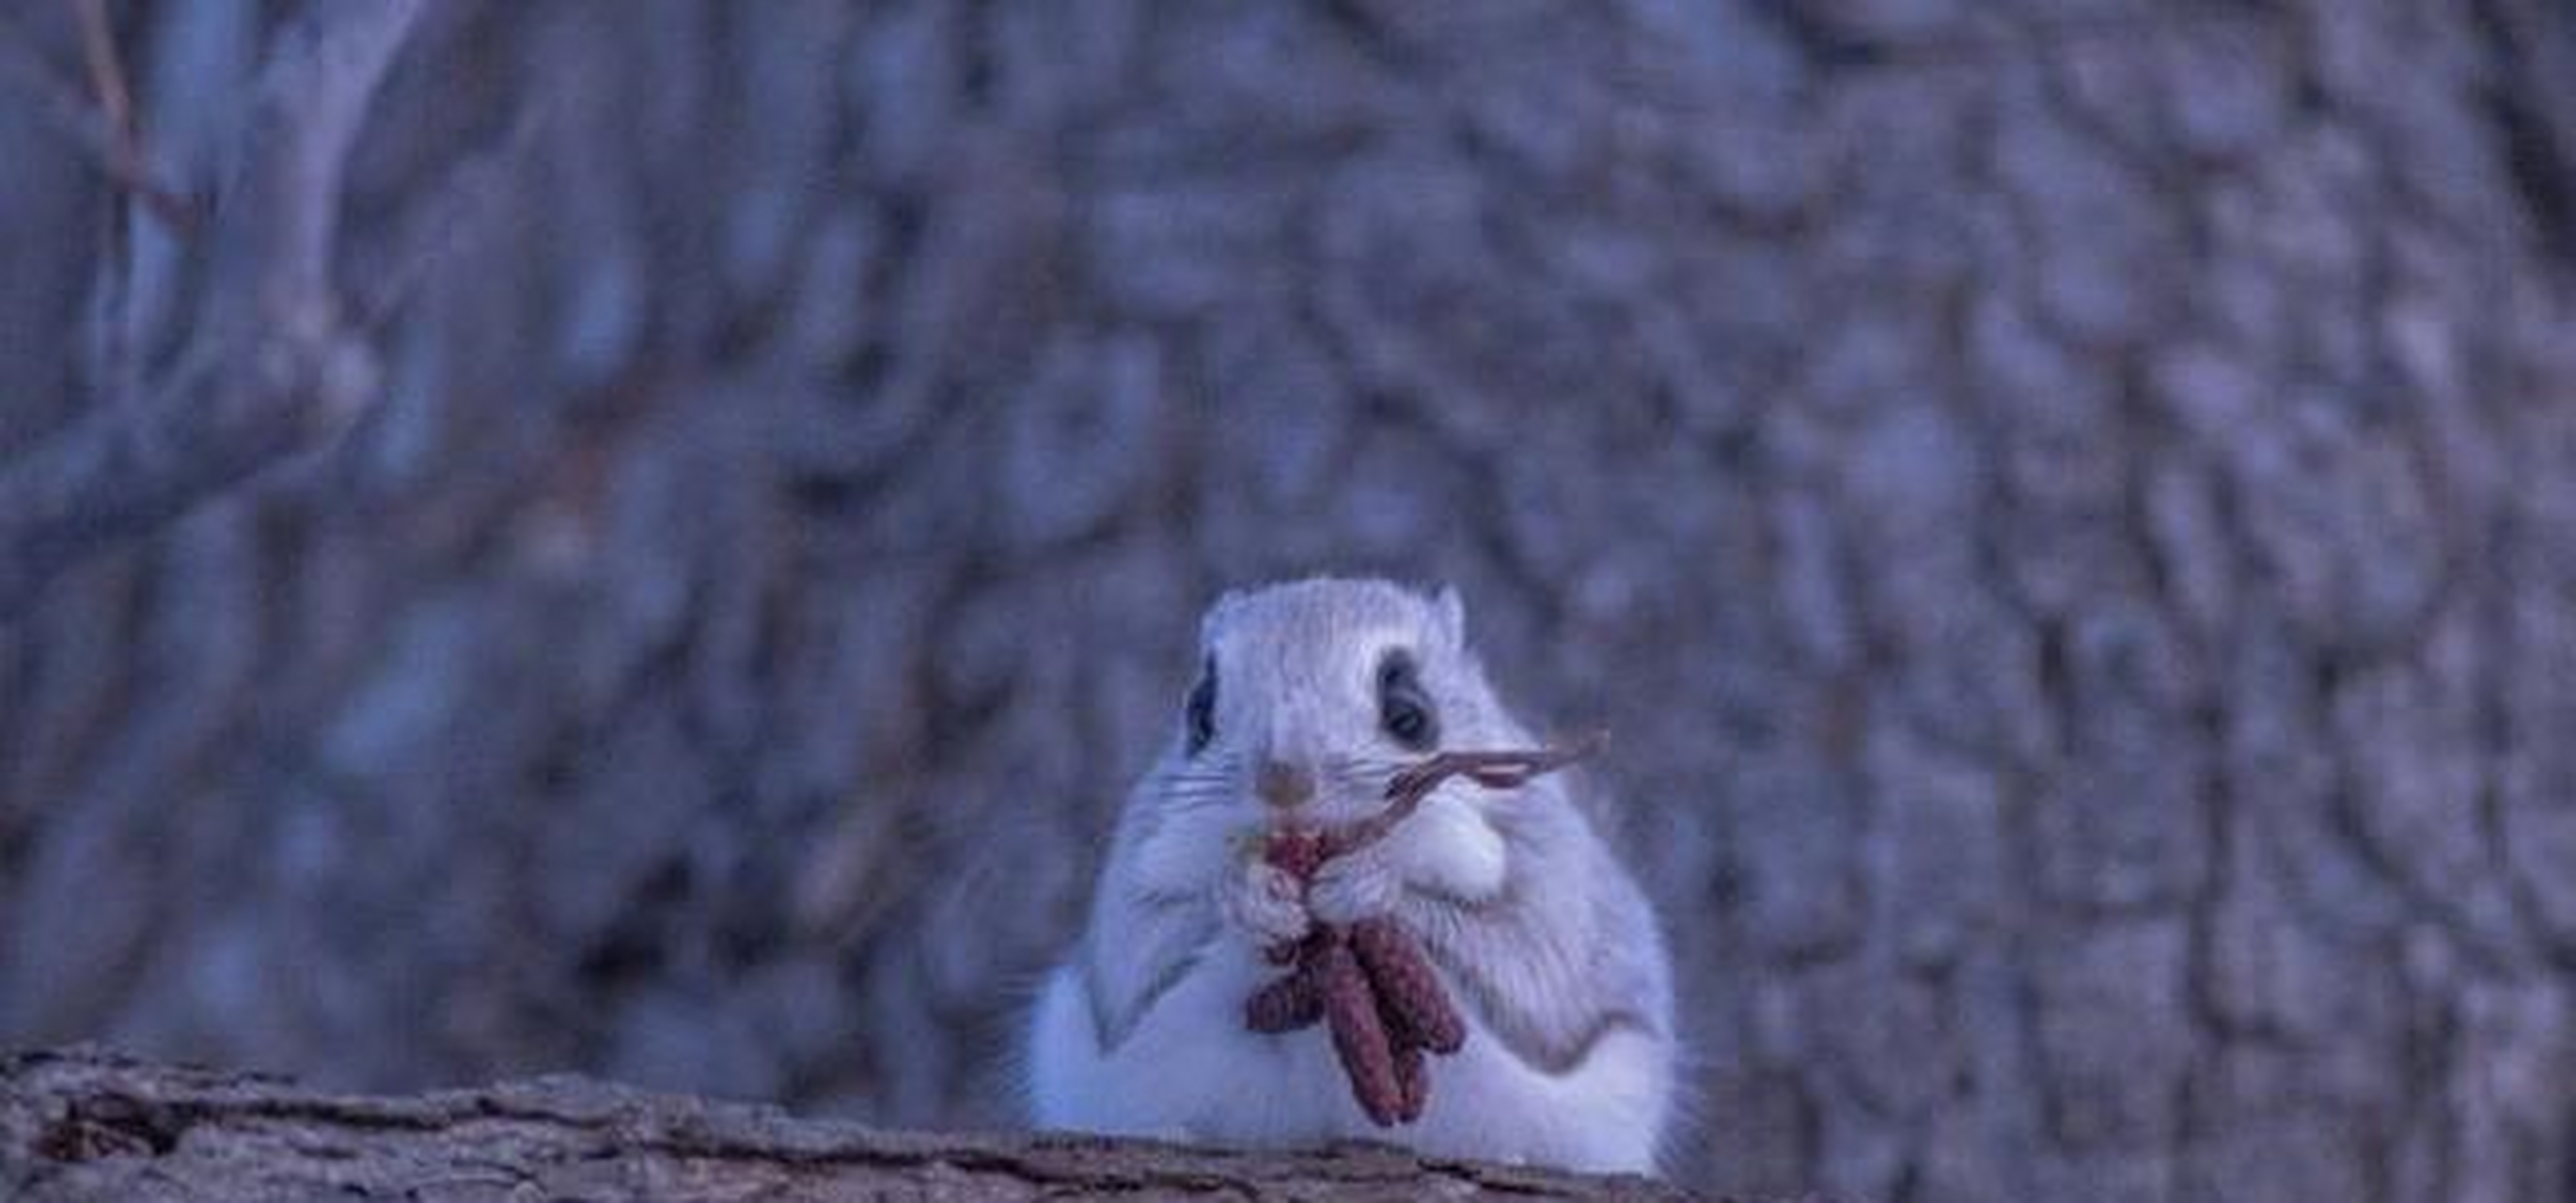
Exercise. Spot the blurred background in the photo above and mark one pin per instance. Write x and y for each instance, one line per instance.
(2070, 509)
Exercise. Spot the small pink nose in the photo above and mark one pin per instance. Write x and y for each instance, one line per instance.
(1283, 785)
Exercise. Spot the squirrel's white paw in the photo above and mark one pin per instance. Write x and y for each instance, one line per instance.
(1356, 885)
(1261, 900)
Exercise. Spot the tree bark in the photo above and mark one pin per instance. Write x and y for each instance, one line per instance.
(86, 1125)
(2066, 506)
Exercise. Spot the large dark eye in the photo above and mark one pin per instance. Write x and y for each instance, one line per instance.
(1201, 712)
(1403, 708)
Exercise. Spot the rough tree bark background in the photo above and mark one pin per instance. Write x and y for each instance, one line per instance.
(2070, 508)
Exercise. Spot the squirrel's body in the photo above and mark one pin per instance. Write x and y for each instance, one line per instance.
(1311, 695)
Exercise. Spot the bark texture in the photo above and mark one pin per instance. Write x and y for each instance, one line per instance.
(87, 1126)
(2069, 507)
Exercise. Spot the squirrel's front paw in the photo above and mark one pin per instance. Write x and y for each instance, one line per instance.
(1356, 885)
(1263, 901)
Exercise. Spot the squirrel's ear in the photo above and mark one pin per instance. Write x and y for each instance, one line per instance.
(1453, 614)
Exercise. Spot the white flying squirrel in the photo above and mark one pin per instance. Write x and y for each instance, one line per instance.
(1309, 696)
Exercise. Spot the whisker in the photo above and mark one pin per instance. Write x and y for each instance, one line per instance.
(1370, 764)
(1374, 778)
(1371, 780)
(1200, 774)
(1191, 806)
(1366, 770)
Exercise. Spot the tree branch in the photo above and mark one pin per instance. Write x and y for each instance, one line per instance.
(271, 367)
(104, 130)
(86, 1125)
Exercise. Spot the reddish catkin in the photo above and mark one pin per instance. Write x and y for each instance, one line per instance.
(1407, 987)
(1412, 1082)
(1293, 1001)
(1350, 1008)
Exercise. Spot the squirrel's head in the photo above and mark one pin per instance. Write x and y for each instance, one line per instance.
(1308, 695)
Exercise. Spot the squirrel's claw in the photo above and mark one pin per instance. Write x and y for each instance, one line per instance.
(1262, 901)
(1356, 885)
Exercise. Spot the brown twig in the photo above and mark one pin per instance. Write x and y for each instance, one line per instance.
(127, 161)
(103, 128)
(1491, 769)
(106, 68)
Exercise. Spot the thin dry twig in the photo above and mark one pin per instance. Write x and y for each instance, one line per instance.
(1491, 769)
(106, 68)
(102, 128)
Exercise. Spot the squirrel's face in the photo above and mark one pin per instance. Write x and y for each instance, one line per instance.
(1309, 695)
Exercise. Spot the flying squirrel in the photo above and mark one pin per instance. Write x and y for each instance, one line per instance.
(1311, 697)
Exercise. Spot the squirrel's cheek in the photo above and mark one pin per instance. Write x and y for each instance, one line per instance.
(1457, 853)
(1188, 851)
